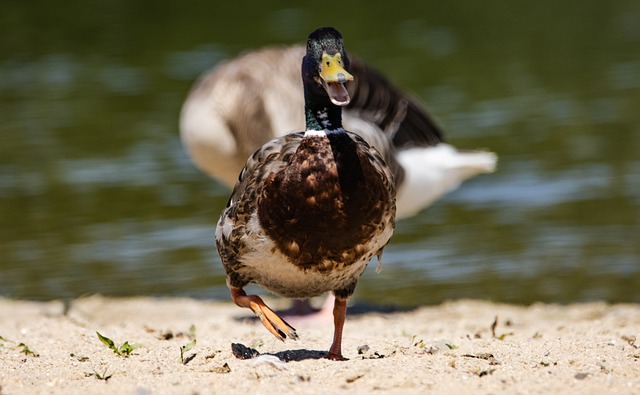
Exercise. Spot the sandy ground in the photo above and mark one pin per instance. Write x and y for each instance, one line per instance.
(52, 348)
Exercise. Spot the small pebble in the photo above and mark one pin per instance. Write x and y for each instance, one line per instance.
(363, 349)
(267, 359)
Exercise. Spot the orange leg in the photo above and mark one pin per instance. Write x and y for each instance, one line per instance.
(274, 324)
(339, 316)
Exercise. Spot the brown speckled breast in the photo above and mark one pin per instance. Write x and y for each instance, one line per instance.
(326, 203)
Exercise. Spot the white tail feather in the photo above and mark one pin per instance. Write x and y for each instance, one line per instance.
(433, 171)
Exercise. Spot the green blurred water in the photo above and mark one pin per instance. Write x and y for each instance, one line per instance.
(98, 196)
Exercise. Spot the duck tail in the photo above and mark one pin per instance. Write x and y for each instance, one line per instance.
(431, 172)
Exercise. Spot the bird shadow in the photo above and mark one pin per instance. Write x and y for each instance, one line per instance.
(241, 351)
(300, 355)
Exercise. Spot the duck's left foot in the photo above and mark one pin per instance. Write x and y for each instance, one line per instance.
(274, 324)
(335, 357)
(339, 315)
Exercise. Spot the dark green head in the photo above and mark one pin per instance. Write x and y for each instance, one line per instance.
(325, 67)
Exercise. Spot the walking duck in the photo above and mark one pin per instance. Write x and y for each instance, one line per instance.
(309, 209)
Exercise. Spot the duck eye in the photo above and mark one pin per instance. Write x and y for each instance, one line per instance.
(328, 63)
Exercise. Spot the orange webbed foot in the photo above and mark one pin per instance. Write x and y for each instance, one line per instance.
(274, 324)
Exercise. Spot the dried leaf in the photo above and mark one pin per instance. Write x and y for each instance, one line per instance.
(79, 358)
(631, 340)
(486, 372)
(354, 378)
(486, 356)
(222, 369)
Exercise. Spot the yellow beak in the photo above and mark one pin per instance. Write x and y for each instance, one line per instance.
(332, 69)
(333, 77)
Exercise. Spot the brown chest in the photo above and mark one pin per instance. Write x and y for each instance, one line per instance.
(326, 204)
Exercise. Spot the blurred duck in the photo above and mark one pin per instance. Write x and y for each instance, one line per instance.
(244, 102)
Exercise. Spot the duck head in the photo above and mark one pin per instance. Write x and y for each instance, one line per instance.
(324, 67)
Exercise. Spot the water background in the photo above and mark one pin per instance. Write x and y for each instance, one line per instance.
(98, 196)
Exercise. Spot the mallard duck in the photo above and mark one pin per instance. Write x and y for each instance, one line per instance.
(244, 102)
(309, 209)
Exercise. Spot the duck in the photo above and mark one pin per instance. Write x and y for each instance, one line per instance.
(309, 209)
(248, 100)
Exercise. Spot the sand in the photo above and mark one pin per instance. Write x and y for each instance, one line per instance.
(52, 348)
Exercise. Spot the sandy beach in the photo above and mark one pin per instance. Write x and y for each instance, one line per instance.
(454, 348)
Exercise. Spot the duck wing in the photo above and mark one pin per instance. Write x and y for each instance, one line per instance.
(374, 98)
(270, 158)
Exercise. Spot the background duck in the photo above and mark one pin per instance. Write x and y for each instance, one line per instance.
(246, 101)
(310, 209)
(243, 102)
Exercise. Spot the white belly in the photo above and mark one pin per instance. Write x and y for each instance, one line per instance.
(271, 269)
